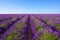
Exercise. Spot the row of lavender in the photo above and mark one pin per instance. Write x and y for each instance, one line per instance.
(11, 26)
(29, 27)
(46, 27)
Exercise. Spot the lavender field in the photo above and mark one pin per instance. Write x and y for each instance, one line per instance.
(29, 26)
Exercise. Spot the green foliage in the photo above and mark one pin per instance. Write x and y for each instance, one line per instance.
(20, 24)
(57, 26)
(51, 23)
(2, 25)
(45, 21)
(47, 36)
(38, 28)
(10, 37)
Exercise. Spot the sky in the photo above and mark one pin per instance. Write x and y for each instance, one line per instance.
(30, 6)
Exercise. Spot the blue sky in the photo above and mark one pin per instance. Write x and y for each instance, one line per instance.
(30, 6)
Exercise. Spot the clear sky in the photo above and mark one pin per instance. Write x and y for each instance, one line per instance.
(29, 6)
